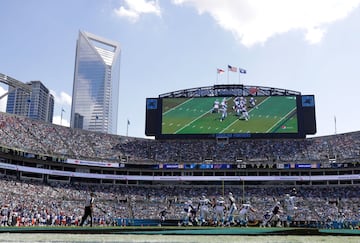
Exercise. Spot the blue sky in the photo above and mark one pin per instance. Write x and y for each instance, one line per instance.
(311, 46)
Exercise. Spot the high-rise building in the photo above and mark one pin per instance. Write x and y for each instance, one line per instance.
(95, 95)
(39, 104)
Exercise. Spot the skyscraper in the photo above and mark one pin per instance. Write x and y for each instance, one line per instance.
(95, 95)
(39, 104)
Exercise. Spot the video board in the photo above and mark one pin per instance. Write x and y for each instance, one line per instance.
(229, 116)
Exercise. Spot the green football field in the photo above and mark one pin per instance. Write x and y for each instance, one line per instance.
(272, 114)
(112, 238)
(175, 234)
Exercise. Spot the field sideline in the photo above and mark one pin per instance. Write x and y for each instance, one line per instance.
(179, 230)
(59, 238)
(175, 234)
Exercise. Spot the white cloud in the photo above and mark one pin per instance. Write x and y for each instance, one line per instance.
(64, 122)
(62, 99)
(3, 100)
(314, 35)
(254, 22)
(135, 8)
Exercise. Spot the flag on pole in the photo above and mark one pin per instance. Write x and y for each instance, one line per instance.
(128, 122)
(241, 70)
(232, 69)
(219, 70)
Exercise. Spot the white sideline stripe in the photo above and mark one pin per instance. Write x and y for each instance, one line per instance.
(281, 119)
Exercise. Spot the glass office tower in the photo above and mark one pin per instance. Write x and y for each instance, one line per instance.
(39, 104)
(95, 95)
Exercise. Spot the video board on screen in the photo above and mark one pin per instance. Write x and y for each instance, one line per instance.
(229, 115)
(232, 117)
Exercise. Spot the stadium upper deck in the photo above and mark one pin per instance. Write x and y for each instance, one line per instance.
(47, 139)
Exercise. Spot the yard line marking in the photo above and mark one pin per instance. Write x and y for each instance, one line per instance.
(177, 106)
(195, 119)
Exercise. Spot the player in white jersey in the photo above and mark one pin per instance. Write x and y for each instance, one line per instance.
(232, 208)
(244, 113)
(236, 106)
(188, 209)
(244, 210)
(4, 215)
(252, 102)
(219, 211)
(289, 208)
(203, 207)
(223, 110)
(242, 101)
(216, 107)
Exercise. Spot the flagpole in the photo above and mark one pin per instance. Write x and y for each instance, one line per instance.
(228, 75)
(335, 124)
(241, 71)
(61, 116)
(127, 127)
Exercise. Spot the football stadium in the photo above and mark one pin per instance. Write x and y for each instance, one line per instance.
(223, 160)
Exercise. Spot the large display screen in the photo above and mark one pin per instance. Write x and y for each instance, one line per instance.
(224, 115)
(233, 117)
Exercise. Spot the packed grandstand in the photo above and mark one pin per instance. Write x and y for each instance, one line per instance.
(48, 170)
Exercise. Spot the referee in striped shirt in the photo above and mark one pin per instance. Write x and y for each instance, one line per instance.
(88, 209)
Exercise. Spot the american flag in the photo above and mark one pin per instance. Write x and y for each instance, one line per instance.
(219, 70)
(232, 69)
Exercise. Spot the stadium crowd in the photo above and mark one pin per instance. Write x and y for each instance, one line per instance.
(44, 138)
(26, 203)
(29, 203)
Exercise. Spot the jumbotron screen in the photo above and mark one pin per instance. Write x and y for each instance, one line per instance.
(242, 117)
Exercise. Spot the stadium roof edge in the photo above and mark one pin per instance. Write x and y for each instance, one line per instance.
(229, 90)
